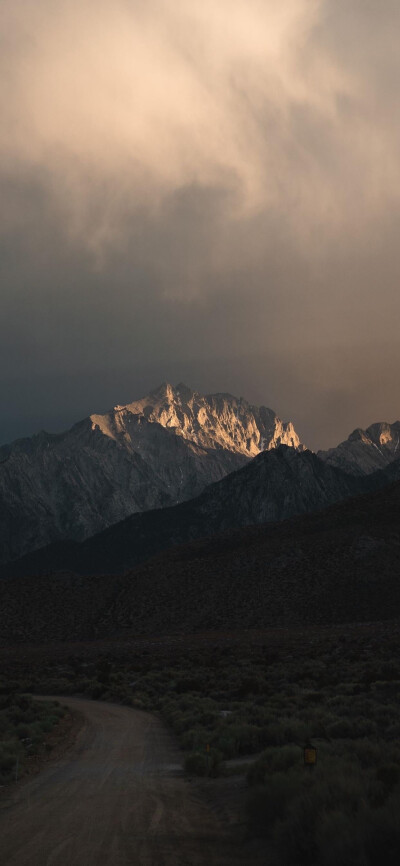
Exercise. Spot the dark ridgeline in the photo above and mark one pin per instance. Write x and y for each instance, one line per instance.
(335, 566)
(157, 452)
(276, 485)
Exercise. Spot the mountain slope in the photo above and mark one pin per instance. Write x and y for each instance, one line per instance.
(158, 451)
(339, 565)
(274, 486)
(367, 450)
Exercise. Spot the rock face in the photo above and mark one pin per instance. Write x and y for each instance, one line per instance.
(367, 450)
(276, 485)
(211, 422)
(155, 452)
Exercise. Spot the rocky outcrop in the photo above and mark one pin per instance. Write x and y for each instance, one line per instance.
(367, 450)
(154, 452)
(211, 421)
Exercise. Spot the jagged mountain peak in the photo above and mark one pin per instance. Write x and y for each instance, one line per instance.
(383, 433)
(210, 421)
(165, 391)
(358, 435)
(184, 390)
(365, 451)
(153, 452)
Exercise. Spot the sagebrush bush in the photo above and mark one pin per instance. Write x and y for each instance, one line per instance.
(268, 803)
(203, 763)
(23, 722)
(266, 702)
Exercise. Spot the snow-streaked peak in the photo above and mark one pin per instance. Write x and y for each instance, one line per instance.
(210, 421)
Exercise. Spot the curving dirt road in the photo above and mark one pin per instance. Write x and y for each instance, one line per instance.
(117, 799)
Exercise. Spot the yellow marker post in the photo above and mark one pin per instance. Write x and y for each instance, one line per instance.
(310, 755)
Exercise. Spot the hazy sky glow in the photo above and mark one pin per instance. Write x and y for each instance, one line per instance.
(200, 191)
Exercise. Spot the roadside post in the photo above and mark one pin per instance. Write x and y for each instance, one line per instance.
(310, 756)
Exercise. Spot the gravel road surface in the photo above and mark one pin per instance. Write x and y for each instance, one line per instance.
(116, 798)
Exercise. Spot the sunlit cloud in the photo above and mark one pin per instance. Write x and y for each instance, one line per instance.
(139, 99)
(229, 166)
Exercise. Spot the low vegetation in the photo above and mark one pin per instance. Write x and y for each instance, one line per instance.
(261, 704)
(24, 726)
(344, 811)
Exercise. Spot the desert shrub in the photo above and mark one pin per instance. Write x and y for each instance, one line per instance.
(249, 685)
(389, 775)
(190, 683)
(95, 690)
(341, 814)
(371, 838)
(46, 726)
(339, 840)
(273, 761)
(393, 731)
(256, 773)
(196, 738)
(296, 731)
(314, 697)
(7, 759)
(294, 835)
(269, 802)
(382, 835)
(298, 835)
(21, 720)
(16, 715)
(344, 728)
(273, 735)
(246, 738)
(216, 762)
(225, 744)
(204, 763)
(54, 685)
(23, 731)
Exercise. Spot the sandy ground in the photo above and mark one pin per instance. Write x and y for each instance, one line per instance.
(116, 798)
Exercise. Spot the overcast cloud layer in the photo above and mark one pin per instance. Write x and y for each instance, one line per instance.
(200, 191)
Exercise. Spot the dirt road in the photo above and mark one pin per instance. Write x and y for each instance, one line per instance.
(116, 799)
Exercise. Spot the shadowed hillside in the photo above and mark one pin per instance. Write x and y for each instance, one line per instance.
(339, 565)
(276, 485)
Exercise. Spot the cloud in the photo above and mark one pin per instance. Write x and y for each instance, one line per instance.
(187, 184)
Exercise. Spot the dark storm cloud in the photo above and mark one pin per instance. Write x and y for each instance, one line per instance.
(200, 193)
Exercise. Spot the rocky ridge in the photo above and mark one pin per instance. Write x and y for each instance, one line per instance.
(367, 450)
(340, 565)
(208, 421)
(163, 449)
(276, 485)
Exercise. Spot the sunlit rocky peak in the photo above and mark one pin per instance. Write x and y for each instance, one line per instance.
(151, 453)
(209, 421)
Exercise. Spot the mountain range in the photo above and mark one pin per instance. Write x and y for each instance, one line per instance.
(106, 493)
(339, 565)
(163, 449)
(274, 486)
(366, 450)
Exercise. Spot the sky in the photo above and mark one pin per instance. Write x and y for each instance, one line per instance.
(200, 191)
